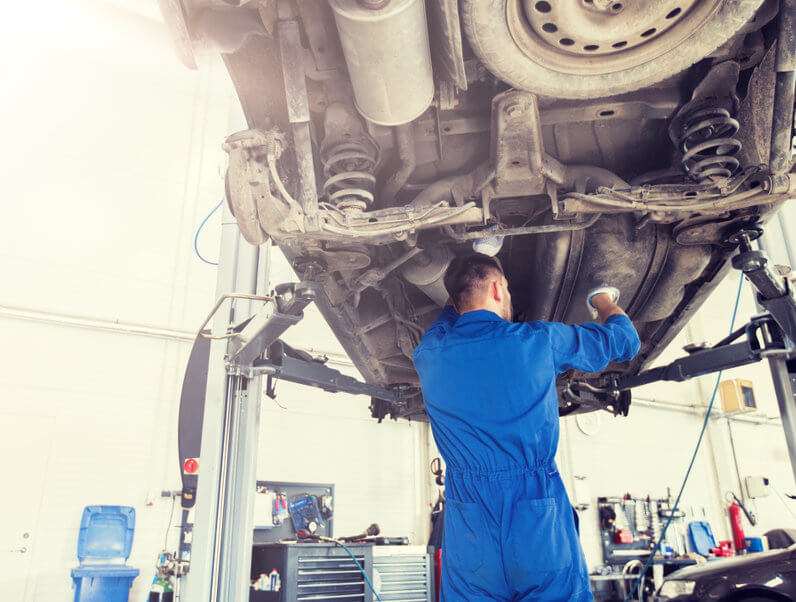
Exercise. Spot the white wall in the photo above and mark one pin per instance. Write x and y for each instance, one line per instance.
(110, 158)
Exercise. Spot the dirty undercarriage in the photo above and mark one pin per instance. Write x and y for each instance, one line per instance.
(584, 141)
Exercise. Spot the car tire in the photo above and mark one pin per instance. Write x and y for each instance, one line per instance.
(486, 26)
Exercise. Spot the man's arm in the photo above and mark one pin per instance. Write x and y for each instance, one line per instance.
(590, 347)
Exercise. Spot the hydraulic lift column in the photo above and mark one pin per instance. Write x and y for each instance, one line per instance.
(244, 348)
(783, 370)
(223, 526)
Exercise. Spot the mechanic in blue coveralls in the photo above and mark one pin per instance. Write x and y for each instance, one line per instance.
(489, 386)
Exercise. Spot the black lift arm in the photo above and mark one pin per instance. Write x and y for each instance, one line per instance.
(770, 335)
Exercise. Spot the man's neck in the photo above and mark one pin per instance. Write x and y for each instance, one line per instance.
(494, 310)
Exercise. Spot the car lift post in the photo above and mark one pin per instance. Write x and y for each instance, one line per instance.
(783, 371)
(244, 348)
(222, 531)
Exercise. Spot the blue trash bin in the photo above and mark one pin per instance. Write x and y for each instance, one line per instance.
(103, 546)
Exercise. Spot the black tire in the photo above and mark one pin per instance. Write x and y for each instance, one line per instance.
(488, 32)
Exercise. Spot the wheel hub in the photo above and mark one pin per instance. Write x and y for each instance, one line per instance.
(602, 36)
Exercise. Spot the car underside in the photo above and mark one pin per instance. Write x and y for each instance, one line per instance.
(581, 141)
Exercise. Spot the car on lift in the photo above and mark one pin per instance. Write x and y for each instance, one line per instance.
(762, 577)
(582, 141)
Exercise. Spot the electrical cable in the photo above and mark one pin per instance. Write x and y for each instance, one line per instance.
(356, 562)
(693, 459)
(782, 499)
(196, 236)
(168, 527)
(361, 570)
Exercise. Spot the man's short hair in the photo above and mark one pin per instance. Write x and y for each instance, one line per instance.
(466, 276)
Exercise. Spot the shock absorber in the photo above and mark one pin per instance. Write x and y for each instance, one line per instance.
(348, 171)
(705, 136)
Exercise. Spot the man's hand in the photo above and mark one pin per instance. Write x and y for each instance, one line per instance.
(602, 302)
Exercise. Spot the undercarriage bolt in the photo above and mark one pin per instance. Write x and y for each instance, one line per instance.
(514, 109)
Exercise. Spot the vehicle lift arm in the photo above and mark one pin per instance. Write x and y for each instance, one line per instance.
(770, 336)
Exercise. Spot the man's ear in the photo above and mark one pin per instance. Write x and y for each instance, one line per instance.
(494, 290)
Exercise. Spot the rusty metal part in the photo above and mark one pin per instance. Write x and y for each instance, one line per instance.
(405, 142)
(396, 223)
(564, 226)
(704, 129)
(516, 147)
(708, 144)
(346, 258)
(268, 15)
(780, 156)
(755, 113)
(222, 30)
(701, 230)
(375, 275)
(446, 41)
(669, 203)
(291, 52)
(579, 177)
(248, 181)
(348, 168)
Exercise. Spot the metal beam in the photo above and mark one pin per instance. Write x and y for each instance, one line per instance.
(223, 529)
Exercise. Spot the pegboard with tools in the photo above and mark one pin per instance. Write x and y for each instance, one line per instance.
(281, 508)
(630, 526)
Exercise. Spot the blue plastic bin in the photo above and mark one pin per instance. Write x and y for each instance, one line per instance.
(103, 583)
(103, 545)
(701, 537)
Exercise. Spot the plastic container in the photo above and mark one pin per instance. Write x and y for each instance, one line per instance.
(103, 545)
(754, 544)
(702, 537)
(103, 583)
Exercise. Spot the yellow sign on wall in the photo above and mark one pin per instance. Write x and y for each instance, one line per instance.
(737, 395)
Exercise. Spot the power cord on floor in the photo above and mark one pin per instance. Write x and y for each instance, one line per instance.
(199, 229)
(691, 464)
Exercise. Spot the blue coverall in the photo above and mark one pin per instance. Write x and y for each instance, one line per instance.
(489, 390)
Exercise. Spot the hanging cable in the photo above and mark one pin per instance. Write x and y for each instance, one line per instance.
(196, 237)
(361, 570)
(337, 542)
(168, 526)
(782, 499)
(691, 463)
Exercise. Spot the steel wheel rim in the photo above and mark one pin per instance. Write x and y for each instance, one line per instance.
(571, 36)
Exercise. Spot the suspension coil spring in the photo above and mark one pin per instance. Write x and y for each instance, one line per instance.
(348, 171)
(706, 139)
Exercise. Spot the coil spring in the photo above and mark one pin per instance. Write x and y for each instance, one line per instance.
(708, 145)
(348, 168)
